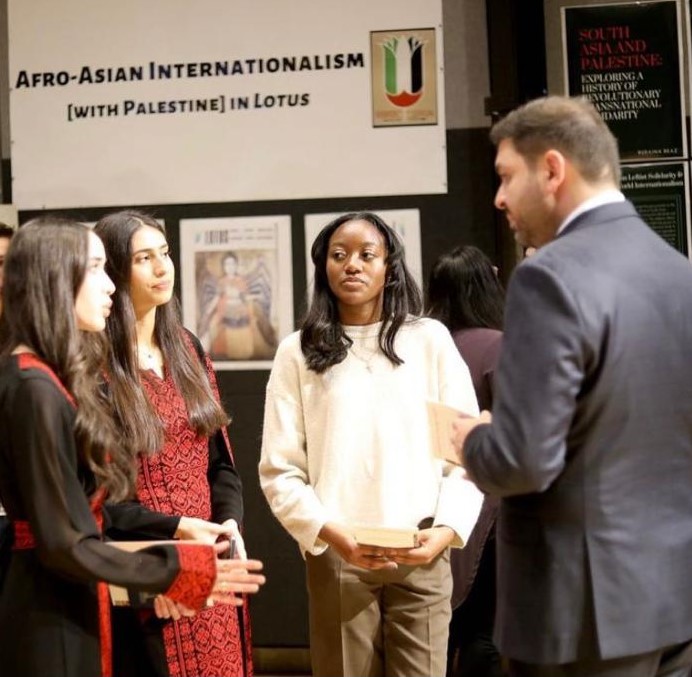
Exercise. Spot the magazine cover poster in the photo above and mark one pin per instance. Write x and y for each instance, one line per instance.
(626, 58)
(237, 288)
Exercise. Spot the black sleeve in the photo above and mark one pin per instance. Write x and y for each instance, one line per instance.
(131, 521)
(224, 482)
(50, 497)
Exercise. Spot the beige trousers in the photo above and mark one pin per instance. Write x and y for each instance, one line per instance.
(378, 623)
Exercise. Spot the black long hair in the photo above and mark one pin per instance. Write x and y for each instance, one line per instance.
(464, 290)
(322, 337)
(45, 268)
(141, 422)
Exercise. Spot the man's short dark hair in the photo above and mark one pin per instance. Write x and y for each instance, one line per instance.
(570, 125)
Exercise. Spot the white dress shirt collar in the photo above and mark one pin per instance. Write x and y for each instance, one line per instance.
(604, 198)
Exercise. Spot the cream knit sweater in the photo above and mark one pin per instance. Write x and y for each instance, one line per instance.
(352, 445)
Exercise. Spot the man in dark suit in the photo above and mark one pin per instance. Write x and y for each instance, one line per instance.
(590, 442)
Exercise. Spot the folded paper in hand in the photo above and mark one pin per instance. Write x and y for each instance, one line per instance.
(386, 537)
(440, 418)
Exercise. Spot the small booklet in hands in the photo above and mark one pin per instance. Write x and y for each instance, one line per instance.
(440, 418)
(386, 537)
(137, 599)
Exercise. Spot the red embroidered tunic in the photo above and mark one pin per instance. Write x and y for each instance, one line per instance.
(177, 481)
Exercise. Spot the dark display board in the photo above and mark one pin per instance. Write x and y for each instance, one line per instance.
(626, 58)
(660, 194)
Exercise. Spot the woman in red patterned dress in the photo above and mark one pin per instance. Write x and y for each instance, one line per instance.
(59, 457)
(165, 394)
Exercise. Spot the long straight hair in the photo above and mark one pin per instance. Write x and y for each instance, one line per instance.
(45, 268)
(464, 291)
(322, 338)
(143, 425)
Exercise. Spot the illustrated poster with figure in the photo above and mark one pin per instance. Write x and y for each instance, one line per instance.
(237, 291)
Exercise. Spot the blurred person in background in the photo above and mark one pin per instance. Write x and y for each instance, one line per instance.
(465, 294)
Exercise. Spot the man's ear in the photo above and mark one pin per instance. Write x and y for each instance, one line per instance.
(555, 166)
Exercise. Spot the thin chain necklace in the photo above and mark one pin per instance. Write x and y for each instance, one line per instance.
(366, 357)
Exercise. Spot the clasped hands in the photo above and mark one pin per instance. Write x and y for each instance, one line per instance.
(431, 542)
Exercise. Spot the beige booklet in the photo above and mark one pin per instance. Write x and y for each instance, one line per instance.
(386, 537)
(440, 418)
